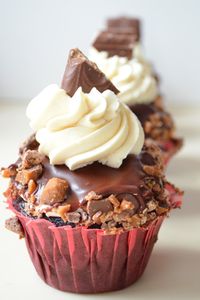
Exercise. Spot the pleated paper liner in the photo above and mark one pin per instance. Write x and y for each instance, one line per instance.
(82, 260)
(170, 148)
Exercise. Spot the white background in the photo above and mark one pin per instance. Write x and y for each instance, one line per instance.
(35, 37)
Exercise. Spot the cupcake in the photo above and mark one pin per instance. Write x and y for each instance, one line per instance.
(117, 52)
(87, 195)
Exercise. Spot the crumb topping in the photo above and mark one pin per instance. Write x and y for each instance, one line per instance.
(113, 213)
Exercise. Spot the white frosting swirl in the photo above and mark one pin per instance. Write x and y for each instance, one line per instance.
(133, 77)
(79, 130)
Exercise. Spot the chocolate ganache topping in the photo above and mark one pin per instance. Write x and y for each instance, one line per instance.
(80, 72)
(97, 177)
(95, 195)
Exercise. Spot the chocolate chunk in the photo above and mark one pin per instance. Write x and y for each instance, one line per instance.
(54, 191)
(29, 143)
(103, 205)
(15, 226)
(24, 175)
(115, 43)
(125, 25)
(147, 159)
(132, 198)
(63, 210)
(80, 72)
(31, 158)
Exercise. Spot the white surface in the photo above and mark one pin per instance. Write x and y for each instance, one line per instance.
(37, 35)
(174, 268)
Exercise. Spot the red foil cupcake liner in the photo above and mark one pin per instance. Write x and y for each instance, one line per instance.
(170, 148)
(85, 260)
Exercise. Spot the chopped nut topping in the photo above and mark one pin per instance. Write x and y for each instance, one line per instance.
(159, 126)
(121, 216)
(54, 191)
(105, 217)
(11, 192)
(157, 168)
(29, 143)
(31, 186)
(161, 210)
(9, 172)
(156, 188)
(151, 205)
(96, 217)
(92, 196)
(143, 220)
(24, 175)
(73, 217)
(84, 215)
(135, 221)
(114, 201)
(126, 205)
(153, 170)
(31, 158)
(109, 225)
(62, 211)
(32, 199)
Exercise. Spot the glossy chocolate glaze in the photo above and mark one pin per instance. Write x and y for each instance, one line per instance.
(97, 177)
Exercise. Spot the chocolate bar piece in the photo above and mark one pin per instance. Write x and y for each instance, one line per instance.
(115, 43)
(125, 25)
(80, 72)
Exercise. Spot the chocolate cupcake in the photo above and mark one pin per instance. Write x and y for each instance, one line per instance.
(88, 196)
(117, 52)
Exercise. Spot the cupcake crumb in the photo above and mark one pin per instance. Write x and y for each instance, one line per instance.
(15, 226)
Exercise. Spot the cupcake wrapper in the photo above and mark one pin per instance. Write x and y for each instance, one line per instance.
(85, 260)
(175, 195)
(170, 148)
